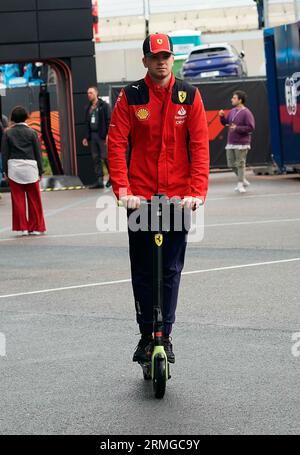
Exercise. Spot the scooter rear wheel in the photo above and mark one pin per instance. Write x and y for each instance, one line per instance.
(159, 377)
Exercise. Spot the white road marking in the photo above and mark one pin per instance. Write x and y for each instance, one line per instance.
(241, 266)
(107, 283)
(53, 236)
(75, 204)
(239, 223)
(86, 234)
(239, 197)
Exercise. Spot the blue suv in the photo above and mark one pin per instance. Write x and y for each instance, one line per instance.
(214, 60)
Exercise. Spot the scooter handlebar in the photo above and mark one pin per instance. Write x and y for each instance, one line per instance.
(177, 202)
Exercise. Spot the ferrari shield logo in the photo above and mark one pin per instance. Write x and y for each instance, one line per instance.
(158, 239)
(182, 96)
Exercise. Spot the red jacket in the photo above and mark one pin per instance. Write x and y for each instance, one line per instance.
(167, 134)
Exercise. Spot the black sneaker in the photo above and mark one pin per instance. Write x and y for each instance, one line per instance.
(169, 349)
(108, 184)
(144, 349)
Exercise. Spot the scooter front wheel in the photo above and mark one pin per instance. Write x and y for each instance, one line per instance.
(159, 376)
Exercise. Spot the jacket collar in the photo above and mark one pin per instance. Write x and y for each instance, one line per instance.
(151, 84)
(21, 123)
(99, 101)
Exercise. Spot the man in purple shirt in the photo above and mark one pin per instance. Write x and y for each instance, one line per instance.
(241, 124)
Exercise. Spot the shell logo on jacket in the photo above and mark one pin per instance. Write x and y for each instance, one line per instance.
(142, 114)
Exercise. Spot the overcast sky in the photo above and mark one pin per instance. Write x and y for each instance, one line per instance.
(135, 7)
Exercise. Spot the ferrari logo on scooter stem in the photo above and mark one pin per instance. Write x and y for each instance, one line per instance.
(158, 239)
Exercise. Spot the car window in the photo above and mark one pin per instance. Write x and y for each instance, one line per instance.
(209, 51)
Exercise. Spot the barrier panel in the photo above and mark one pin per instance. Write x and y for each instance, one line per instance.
(217, 95)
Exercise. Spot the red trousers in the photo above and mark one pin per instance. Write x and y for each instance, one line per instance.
(35, 219)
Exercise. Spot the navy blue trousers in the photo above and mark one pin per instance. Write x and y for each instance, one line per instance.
(141, 259)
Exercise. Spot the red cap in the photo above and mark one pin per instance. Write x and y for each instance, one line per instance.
(156, 43)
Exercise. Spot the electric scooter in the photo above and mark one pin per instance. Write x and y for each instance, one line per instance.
(158, 368)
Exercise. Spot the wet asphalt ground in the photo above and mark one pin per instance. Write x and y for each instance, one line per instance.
(67, 316)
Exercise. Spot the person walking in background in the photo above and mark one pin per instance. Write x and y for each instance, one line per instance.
(1, 170)
(241, 124)
(260, 13)
(95, 20)
(22, 166)
(97, 119)
(3, 126)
